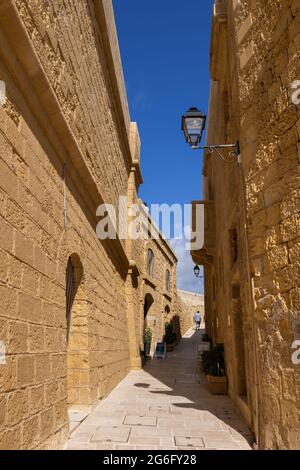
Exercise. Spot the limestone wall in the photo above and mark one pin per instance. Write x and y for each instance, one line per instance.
(63, 126)
(252, 283)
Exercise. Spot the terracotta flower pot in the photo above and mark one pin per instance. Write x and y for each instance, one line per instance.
(217, 385)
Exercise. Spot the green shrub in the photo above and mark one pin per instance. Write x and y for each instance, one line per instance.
(148, 335)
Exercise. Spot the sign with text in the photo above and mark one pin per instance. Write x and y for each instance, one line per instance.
(160, 351)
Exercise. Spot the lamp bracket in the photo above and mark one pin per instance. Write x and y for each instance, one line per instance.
(232, 155)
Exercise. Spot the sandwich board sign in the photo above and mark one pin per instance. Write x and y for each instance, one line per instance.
(160, 351)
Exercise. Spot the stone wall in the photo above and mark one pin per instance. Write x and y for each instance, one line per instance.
(252, 279)
(64, 148)
(188, 304)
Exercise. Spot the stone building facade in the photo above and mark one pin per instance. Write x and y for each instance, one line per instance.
(159, 298)
(252, 210)
(71, 304)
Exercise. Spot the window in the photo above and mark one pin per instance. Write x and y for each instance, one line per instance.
(168, 280)
(150, 262)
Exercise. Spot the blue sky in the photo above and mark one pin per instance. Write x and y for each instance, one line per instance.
(165, 54)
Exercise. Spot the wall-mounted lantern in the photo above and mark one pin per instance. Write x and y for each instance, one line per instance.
(193, 125)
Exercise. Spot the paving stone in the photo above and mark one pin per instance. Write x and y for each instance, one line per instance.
(203, 426)
(114, 434)
(106, 446)
(139, 440)
(77, 415)
(108, 421)
(140, 420)
(149, 417)
(80, 446)
(189, 441)
(159, 409)
(72, 426)
(222, 445)
(82, 436)
(150, 431)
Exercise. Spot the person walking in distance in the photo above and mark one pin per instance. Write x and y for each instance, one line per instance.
(197, 320)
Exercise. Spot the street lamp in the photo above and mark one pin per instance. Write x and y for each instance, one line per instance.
(197, 271)
(193, 125)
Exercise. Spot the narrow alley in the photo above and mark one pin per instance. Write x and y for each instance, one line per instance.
(166, 406)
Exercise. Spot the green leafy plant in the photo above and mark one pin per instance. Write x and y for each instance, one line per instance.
(170, 336)
(148, 335)
(213, 361)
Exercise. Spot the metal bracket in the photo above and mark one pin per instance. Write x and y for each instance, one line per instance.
(232, 156)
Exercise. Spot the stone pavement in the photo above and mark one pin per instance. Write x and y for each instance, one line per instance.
(165, 406)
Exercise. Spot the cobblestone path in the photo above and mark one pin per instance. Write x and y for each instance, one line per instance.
(165, 406)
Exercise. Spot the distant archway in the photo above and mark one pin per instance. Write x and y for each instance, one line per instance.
(148, 301)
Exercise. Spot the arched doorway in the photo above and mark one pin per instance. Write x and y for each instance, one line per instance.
(148, 326)
(148, 302)
(76, 331)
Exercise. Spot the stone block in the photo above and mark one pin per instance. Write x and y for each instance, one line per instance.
(244, 29)
(23, 248)
(11, 439)
(52, 393)
(43, 368)
(8, 181)
(30, 280)
(36, 338)
(18, 337)
(246, 55)
(6, 236)
(30, 308)
(25, 370)
(36, 399)
(47, 423)
(9, 300)
(17, 407)
(2, 411)
(31, 432)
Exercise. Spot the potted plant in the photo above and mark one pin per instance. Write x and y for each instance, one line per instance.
(213, 366)
(170, 337)
(147, 341)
